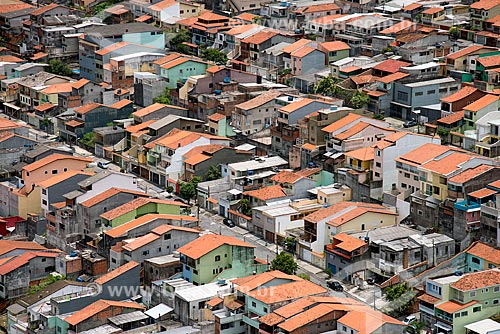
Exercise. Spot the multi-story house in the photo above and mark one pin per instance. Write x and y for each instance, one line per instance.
(295, 185)
(257, 113)
(464, 60)
(212, 256)
(180, 68)
(451, 302)
(482, 11)
(335, 50)
(462, 98)
(33, 27)
(487, 135)
(305, 14)
(433, 14)
(119, 72)
(478, 109)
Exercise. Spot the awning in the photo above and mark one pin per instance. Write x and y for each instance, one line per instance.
(333, 154)
(234, 191)
(443, 326)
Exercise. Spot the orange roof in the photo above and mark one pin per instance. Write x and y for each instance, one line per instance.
(13, 7)
(24, 259)
(167, 58)
(216, 117)
(337, 208)
(405, 24)
(61, 177)
(470, 174)
(411, 7)
(464, 52)
(4, 135)
(433, 10)
(74, 123)
(461, 94)
(147, 218)
(214, 302)
(309, 147)
(111, 48)
(249, 283)
(259, 100)
(356, 129)
(363, 79)
(478, 280)
(11, 59)
(116, 273)
(7, 246)
(141, 241)
(215, 69)
(143, 18)
(41, 10)
(367, 321)
(179, 138)
(80, 83)
(162, 5)
(452, 306)
(39, 55)
(286, 176)
(149, 109)
(53, 158)
(355, 212)
(303, 51)
(165, 228)
(135, 204)
(291, 107)
(448, 164)
(485, 252)
(58, 205)
(317, 8)
(363, 154)
(429, 299)
(489, 61)
(266, 193)
(286, 292)
(87, 107)
(424, 153)
(348, 243)
(241, 29)
(66, 87)
(391, 65)
(452, 118)
(44, 107)
(350, 69)
(259, 37)
(209, 242)
(335, 46)
(337, 125)
(98, 307)
(175, 62)
(138, 127)
(482, 103)
(201, 153)
(328, 19)
(296, 45)
(485, 4)
(482, 193)
(209, 16)
(246, 17)
(120, 104)
(108, 194)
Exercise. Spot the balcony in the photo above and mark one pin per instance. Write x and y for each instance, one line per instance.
(426, 309)
(251, 320)
(228, 316)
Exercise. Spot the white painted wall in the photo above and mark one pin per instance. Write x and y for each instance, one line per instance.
(117, 180)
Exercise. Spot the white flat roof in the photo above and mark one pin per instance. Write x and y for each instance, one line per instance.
(430, 82)
(158, 311)
(486, 326)
(256, 165)
(200, 292)
(137, 54)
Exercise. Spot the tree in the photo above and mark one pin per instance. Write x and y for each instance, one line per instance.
(379, 117)
(88, 140)
(290, 243)
(284, 262)
(359, 99)
(418, 18)
(257, 20)
(396, 291)
(170, 189)
(414, 328)
(58, 67)
(213, 173)
(181, 37)
(164, 98)
(214, 55)
(45, 124)
(187, 190)
(454, 32)
(305, 276)
(326, 86)
(245, 207)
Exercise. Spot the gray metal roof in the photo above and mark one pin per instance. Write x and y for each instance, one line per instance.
(120, 29)
(126, 318)
(93, 179)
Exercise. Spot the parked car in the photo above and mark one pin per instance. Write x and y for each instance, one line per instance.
(409, 319)
(334, 285)
(103, 165)
(370, 281)
(410, 123)
(228, 222)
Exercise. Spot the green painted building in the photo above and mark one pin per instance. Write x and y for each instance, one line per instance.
(140, 207)
(180, 69)
(212, 257)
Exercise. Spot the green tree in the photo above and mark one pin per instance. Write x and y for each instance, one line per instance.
(454, 32)
(187, 190)
(245, 207)
(88, 140)
(326, 86)
(257, 20)
(359, 99)
(396, 291)
(170, 189)
(213, 173)
(414, 328)
(379, 117)
(418, 18)
(290, 243)
(305, 276)
(45, 124)
(284, 262)
(164, 98)
(58, 67)
(214, 55)
(179, 38)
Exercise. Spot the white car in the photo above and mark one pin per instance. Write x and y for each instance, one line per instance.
(409, 319)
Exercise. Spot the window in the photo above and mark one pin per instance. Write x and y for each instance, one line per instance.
(377, 174)
(217, 258)
(167, 236)
(44, 202)
(495, 301)
(113, 260)
(265, 309)
(475, 260)
(430, 92)
(402, 96)
(254, 304)
(145, 253)
(407, 175)
(476, 309)
(419, 93)
(362, 227)
(378, 164)
(472, 294)
(464, 314)
(496, 289)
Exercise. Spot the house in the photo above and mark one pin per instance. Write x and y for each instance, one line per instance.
(335, 50)
(487, 135)
(457, 101)
(307, 60)
(265, 195)
(212, 257)
(478, 109)
(257, 113)
(294, 184)
(305, 14)
(119, 71)
(218, 124)
(432, 14)
(180, 68)
(412, 10)
(13, 147)
(157, 111)
(461, 60)
(252, 174)
(481, 11)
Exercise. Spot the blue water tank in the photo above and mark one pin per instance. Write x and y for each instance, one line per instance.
(290, 98)
(217, 92)
(227, 80)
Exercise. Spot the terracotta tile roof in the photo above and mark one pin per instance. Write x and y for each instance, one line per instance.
(355, 212)
(309, 147)
(482, 102)
(61, 177)
(123, 229)
(365, 321)
(24, 259)
(271, 319)
(234, 304)
(411, 7)
(139, 127)
(470, 174)
(317, 8)
(464, 52)
(117, 272)
(390, 139)
(428, 299)
(303, 51)
(209, 242)
(296, 105)
(295, 307)
(259, 100)
(405, 24)
(286, 292)
(98, 307)
(121, 104)
(349, 243)
(423, 154)
(335, 46)
(461, 94)
(108, 194)
(433, 10)
(58, 205)
(216, 117)
(363, 154)
(201, 153)
(43, 9)
(448, 164)
(87, 107)
(393, 77)
(485, 252)
(111, 48)
(452, 118)
(328, 19)
(180, 138)
(339, 207)
(66, 87)
(482, 193)
(44, 107)
(210, 16)
(337, 125)
(246, 17)
(7, 246)
(240, 29)
(259, 37)
(140, 242)
(11, 59)
(363, 79)
(135, 204)
(485, 4)
(4, 135)
(356, 129)
(286, 176)
(489, 61)
(212, 200)
(52, 158)
(452, 306)
(495, 184)
(266, 193)
(39, 55)
(307, 172)
(149, 109)
(13, 7)
(350, 69)
(391, 65)
(175, 62)
(214, 302)
(74, 123)
(167, 58)
(165, 228)
(162, 5)
(296, 45)
(143, 18)
(250, 283)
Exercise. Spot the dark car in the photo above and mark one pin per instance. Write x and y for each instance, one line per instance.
(409, 124)
(334, 285)
(370, 281)
(228, 222)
